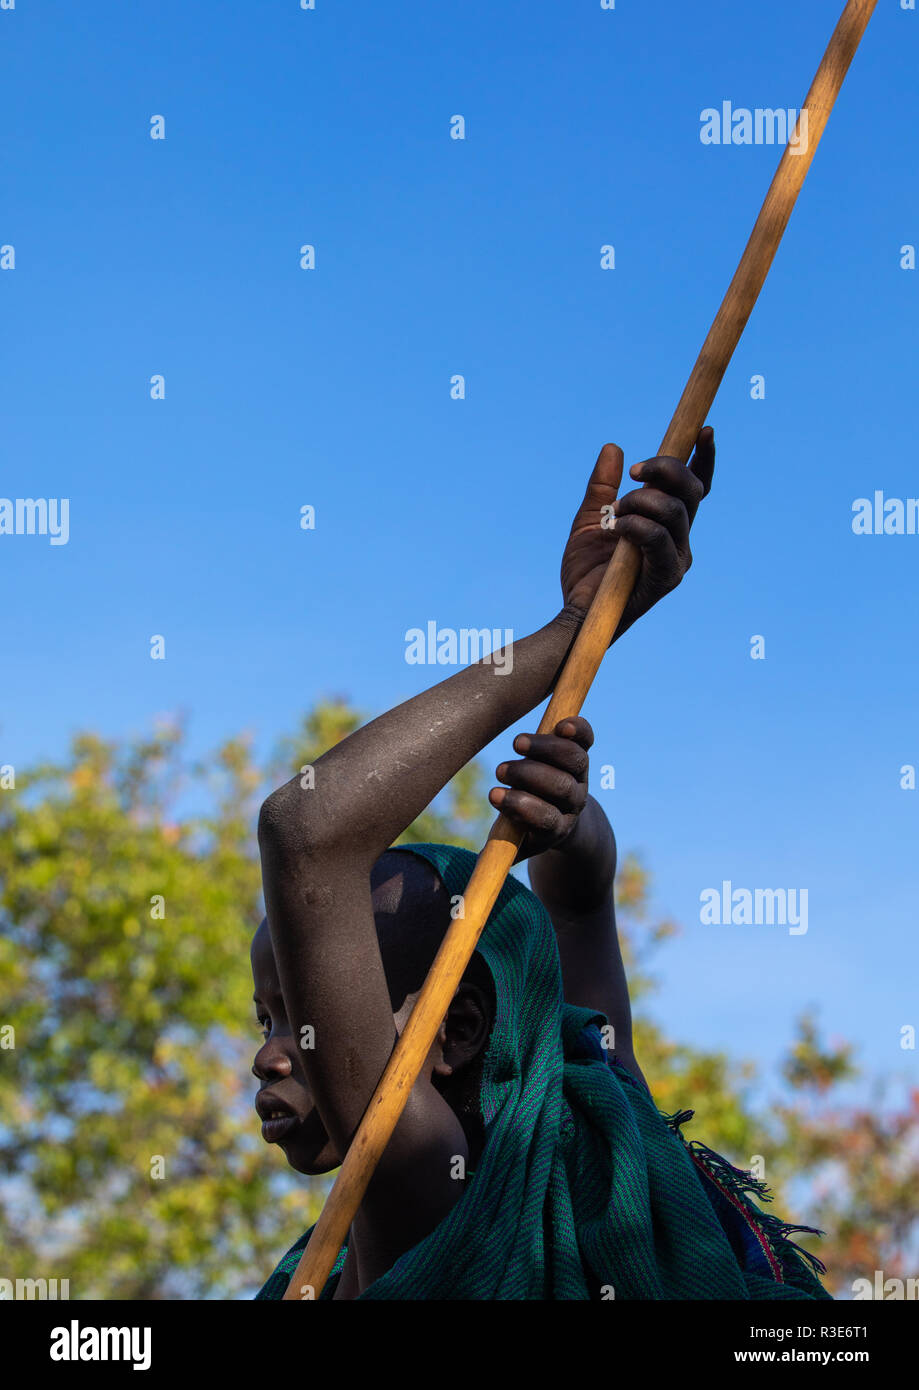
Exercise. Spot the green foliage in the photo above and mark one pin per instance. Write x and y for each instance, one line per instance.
(130, 1158)
(123, 969)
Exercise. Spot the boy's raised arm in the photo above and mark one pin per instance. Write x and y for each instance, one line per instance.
(318, 846)
(373, 784)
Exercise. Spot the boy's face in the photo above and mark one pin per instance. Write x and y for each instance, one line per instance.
(284, 1104)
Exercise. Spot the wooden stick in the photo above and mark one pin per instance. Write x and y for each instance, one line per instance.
(500, 850)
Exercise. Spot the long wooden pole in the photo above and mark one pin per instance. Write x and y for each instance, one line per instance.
(500, 850)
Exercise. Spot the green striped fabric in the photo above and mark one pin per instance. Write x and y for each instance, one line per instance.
(583, 1189)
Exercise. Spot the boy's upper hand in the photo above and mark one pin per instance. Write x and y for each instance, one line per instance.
(655, 517)
(547, 790)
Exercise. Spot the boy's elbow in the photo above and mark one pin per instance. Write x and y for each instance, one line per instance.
(283, 824)
(291, 823)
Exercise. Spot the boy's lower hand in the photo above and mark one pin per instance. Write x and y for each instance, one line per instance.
(655, 518)
(547, 789)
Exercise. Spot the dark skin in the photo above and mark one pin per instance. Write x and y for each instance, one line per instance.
(278, 1063)
(320, 848)
(572, 864)
(573, 875)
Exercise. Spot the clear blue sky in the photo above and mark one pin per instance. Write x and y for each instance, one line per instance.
(331, 387)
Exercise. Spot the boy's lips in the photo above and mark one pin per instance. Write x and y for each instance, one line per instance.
(275, 1129)
(276, 1115)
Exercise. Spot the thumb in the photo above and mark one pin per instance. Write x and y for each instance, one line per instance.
(602, 486)
(607, 469)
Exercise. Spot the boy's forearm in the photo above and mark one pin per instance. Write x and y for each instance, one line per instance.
(578, 876)
(373, 784)
(593, 974)
(575, 884)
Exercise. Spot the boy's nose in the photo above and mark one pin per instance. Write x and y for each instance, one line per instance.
(270, 1062)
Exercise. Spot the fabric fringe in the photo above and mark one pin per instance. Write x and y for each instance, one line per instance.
(681, 1117)
(736, 1179)
(778, 1233)
(741, 1183)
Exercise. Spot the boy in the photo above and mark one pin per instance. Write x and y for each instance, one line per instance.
(525, 1164)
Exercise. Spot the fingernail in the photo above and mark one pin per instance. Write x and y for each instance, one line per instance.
(522, 743)
(501, 772)
(635, 470)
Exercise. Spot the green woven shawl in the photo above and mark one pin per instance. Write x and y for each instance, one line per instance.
(583, 1189)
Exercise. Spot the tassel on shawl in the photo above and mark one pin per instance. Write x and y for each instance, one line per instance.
(741, 1183)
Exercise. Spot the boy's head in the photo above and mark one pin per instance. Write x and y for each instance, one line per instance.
(411, 910)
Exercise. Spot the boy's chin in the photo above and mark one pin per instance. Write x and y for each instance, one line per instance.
(308, 1162)
(313, 1167)
(307, 1147)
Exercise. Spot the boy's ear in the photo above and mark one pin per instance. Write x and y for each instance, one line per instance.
(467, 1025)
(441, 1066)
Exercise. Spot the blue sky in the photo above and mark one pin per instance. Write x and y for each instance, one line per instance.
(330, 387)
